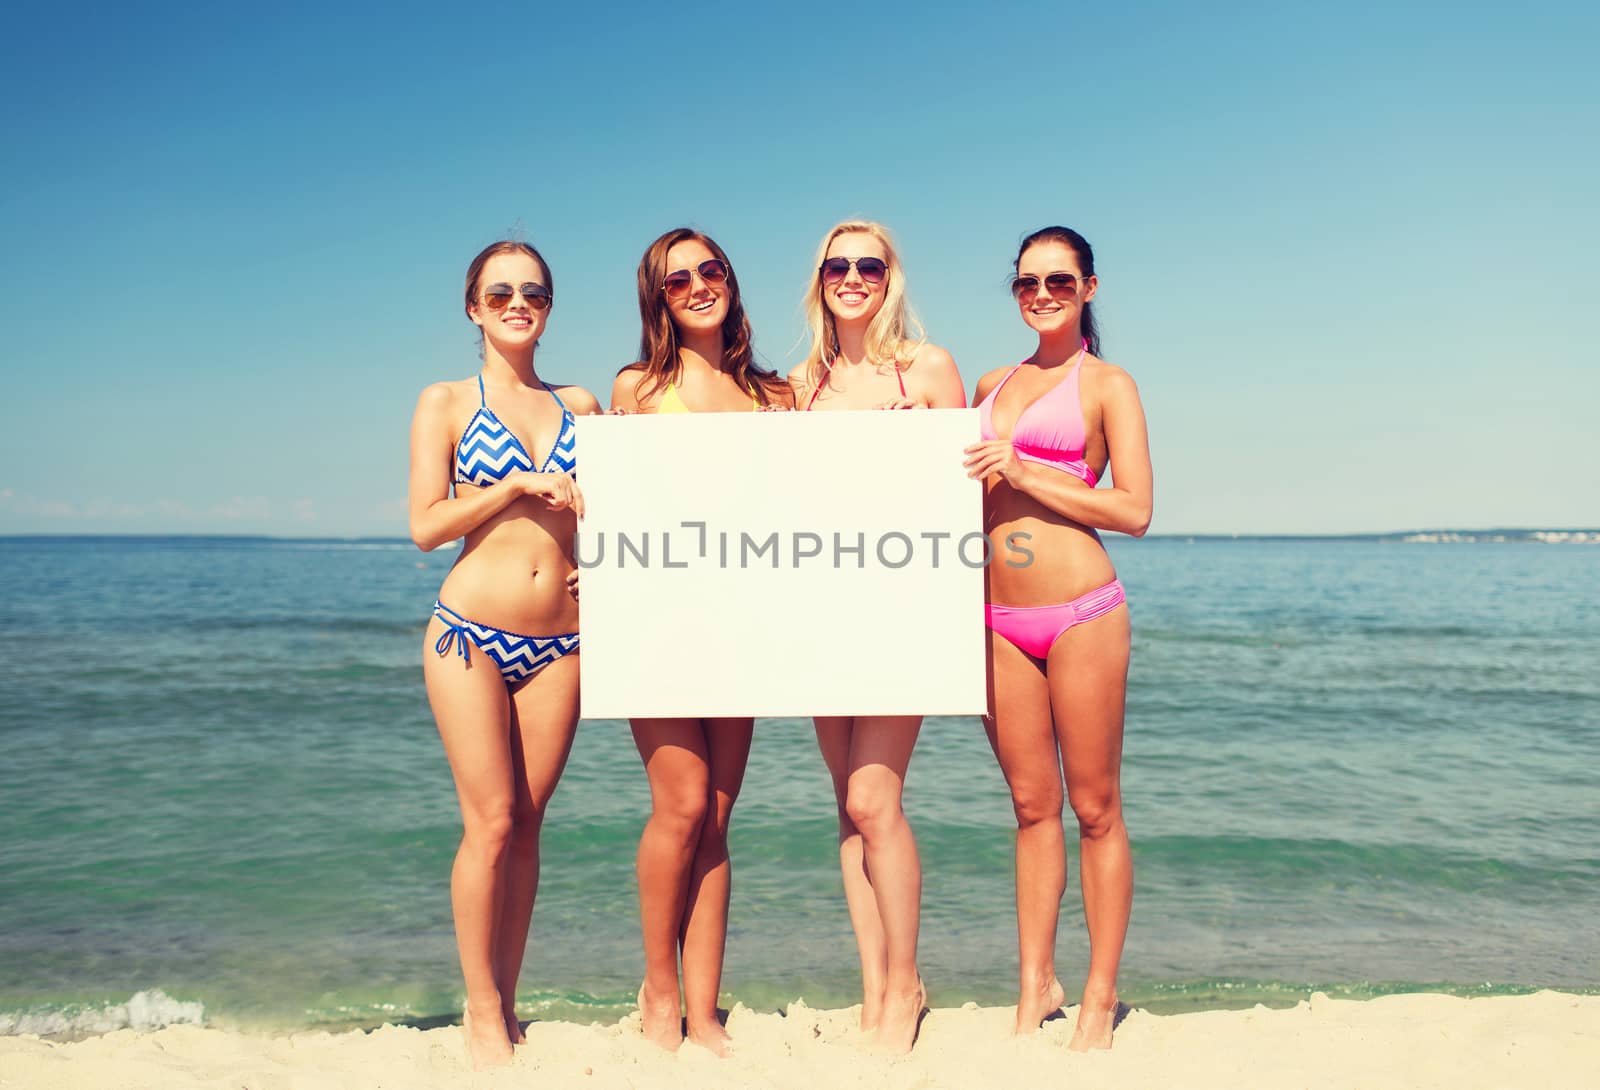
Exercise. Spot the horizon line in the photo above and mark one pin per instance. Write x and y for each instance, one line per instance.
(1174, 535)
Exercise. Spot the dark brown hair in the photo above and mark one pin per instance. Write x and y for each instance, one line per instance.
(658, 336)
(506, 246)
(1080, 246)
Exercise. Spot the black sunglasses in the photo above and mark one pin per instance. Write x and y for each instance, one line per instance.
(498, 296)
(678, 281)
(835, 269)
(1057, 283)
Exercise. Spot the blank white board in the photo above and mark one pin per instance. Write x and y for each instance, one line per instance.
(762, 606)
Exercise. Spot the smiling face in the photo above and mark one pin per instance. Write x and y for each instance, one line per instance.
(854, 299)
(519, 325)
(1058, 311)
(704, 306)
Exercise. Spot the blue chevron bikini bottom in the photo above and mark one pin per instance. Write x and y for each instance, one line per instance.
(519, 657)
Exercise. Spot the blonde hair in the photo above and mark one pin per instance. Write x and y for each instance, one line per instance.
(893, 335)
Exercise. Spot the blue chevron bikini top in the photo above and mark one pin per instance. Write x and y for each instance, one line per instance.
(488, 450)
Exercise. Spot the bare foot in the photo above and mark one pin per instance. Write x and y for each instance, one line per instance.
(1097, 1017)
(711, 1036)
(902, 1014)
(487, 1043)
(1037, 1004)
(661, 1019)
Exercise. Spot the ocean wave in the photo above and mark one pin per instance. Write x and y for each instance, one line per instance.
(146, 1010)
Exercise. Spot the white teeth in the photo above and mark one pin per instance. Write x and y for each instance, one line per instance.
(703, 306)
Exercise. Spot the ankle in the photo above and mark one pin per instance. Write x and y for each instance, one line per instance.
(1037, 983)
(487, 1006)
(1100, 995)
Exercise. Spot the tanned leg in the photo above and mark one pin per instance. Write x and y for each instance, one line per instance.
(1088, 689)
(472, 710)
(1024, 742)
(544, 718)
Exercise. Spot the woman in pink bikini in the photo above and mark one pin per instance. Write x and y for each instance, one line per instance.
(1059, 634)
(865, 355)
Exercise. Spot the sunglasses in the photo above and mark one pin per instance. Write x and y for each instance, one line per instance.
(1057, 283)
(835, 269)
(678, 281)
(498, 296)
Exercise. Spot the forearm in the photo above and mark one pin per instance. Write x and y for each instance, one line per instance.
(1116, 509)
(445, 520)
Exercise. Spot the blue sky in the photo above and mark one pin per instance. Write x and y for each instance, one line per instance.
(1344, 249)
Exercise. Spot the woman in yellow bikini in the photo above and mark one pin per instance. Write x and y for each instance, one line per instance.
(694, 356)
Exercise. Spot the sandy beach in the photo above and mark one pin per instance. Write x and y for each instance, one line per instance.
(1549, 1039)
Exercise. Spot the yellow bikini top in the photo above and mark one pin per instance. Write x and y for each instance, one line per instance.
(671, 402)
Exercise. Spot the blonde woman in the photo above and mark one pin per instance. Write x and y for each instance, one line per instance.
(867, 352)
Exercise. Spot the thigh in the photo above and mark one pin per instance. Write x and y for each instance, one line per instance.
(728, 749)
(1088, 674)
(833, 739)
(1021, 731)
(675, 758)
(544, 719)
(472, 709)
(883, 743)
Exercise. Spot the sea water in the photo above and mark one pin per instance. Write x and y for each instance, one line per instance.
(1353, 766)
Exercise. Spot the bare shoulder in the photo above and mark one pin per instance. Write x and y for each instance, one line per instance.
(625, 387)
(988, 382)
(783, 393)
(578, 400)
(800, 381)
(438, 398)
(1108, 379)
(932, 358)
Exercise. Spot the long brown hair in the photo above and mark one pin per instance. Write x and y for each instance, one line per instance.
(658, 337)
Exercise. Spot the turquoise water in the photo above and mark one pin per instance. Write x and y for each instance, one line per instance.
(1350, 766)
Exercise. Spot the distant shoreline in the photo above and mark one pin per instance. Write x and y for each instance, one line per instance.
(1496, 536)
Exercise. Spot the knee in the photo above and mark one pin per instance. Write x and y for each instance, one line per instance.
(525, 829)
(1099, 811)
(872, 810)
(489, 831)
(1036, 803)
(714, 829)
(681, 813)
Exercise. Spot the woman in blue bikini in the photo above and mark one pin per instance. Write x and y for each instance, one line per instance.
(500, 654)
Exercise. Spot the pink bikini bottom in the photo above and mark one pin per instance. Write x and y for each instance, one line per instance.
(1035, 628)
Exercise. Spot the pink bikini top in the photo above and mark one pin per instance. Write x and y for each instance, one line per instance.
(1049, 431)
